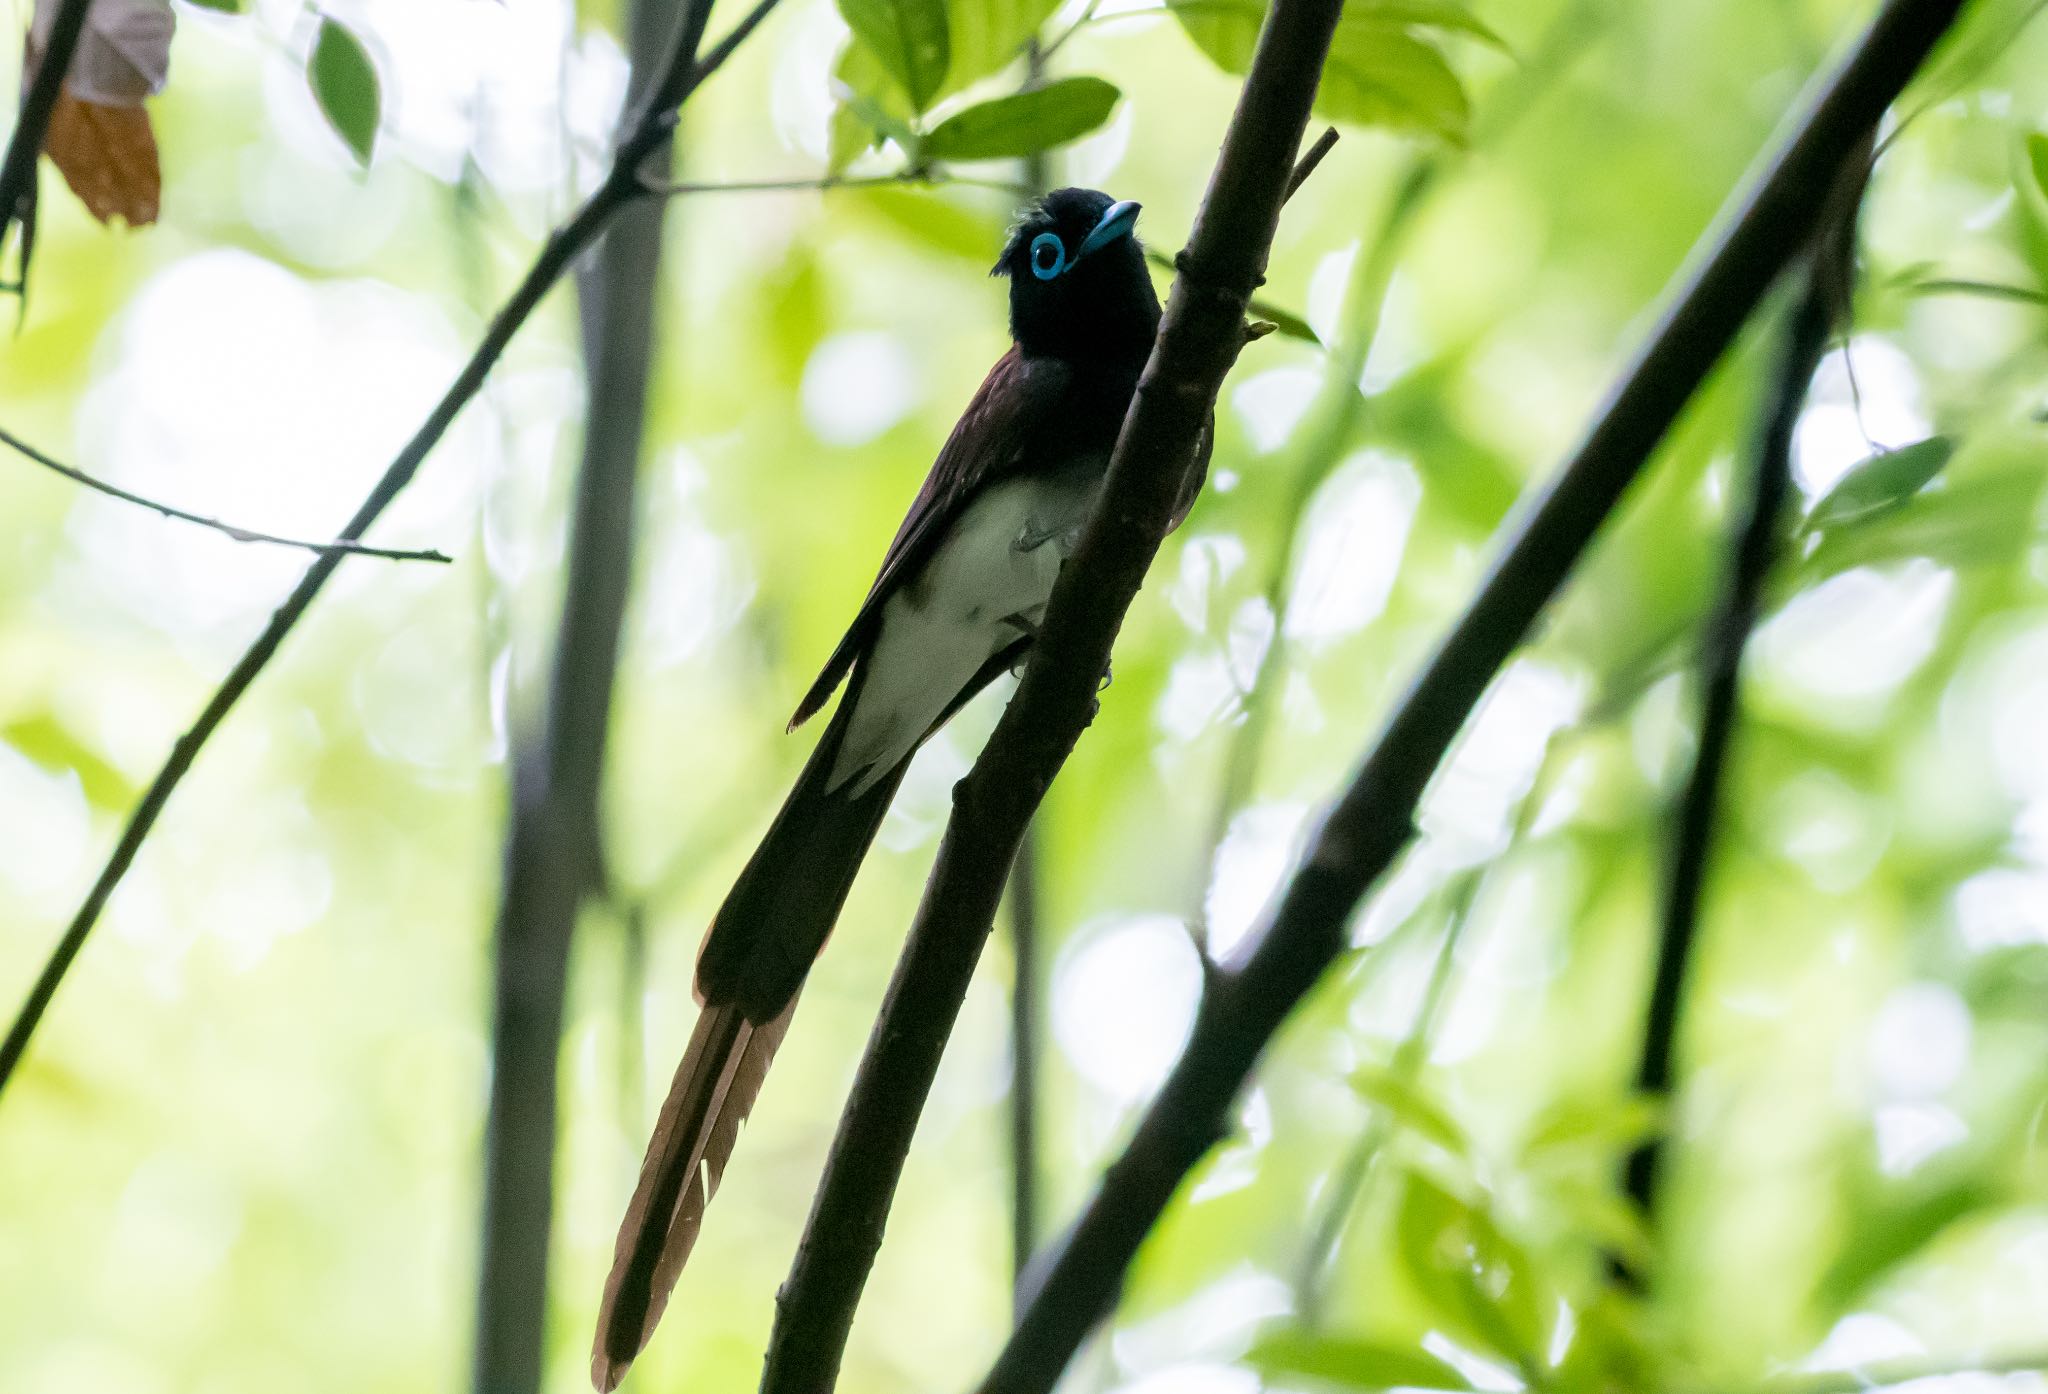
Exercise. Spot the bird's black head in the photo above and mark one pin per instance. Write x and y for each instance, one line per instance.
(1078, 284)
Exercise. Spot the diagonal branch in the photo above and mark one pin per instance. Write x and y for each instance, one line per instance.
(231, 530)
(1752, 550)
(1199, 339)
(621, 186)
(1247, 1000)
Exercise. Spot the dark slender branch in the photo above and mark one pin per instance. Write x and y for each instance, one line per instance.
(18, 170)
(1199, 340)
(1247, 1000)
(239, 534)
(620, 187)
(1753, 548)
(553, 841)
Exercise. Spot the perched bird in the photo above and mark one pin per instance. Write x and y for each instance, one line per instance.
(958, 601)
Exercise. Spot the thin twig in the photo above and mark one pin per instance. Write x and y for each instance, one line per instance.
(568, 242)
(1199, 339)
(1313, 156)
(1753, 547)
(231, 530)
(18, 170)
(1247, 999)
(1990, 290)
(923, 176)
(1058, 43)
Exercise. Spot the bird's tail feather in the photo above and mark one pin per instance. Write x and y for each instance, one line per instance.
(714, 1089)
(777, 916)
(755, 957)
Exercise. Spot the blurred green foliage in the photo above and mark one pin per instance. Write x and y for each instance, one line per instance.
(243, 1154)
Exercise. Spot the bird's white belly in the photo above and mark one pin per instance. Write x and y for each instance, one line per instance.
(985, 585)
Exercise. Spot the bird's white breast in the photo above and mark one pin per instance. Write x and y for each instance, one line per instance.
(986, 584)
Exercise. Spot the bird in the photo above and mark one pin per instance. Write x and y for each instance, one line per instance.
(957, 602)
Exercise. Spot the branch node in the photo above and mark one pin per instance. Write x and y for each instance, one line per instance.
(1218, 289)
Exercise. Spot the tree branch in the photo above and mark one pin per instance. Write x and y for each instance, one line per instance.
(553, 839)
(18, 170)
(1199, 340)
(1247, 1000)
(239, 534)
(1753, 547)
(620, 187)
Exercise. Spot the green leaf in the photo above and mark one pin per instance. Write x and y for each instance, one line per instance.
(226, 7)
(1475, 1277)
(910, 38)
(1984, 520)
(344, 82)
(51, 744)
(1446, 15)
(1378, 72)
(1025, 122)
(1353, 1364)
(2030, 192)
(1383, 77)
(1578, 1130)
(989, 35)
(1881, 482)
(1389, 1089)
(1888, 1236)
(869, 111)
(2036, 145)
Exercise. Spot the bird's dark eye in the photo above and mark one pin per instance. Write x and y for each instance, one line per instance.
(1048, 256)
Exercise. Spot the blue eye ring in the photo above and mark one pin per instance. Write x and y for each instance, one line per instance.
(1048, 256)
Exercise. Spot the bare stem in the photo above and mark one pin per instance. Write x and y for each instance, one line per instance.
(239, 534)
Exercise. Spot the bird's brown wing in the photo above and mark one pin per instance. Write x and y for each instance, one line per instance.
(992, 439)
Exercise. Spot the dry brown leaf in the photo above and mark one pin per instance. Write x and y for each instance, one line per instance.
(107, 154)
(100, 137)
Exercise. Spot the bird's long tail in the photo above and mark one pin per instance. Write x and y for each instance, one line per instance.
(755, 957)
(714, 1088)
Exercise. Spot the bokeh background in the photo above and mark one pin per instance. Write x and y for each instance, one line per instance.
(244, 1154)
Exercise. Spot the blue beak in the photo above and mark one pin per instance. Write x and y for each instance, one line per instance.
(1117, 222)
